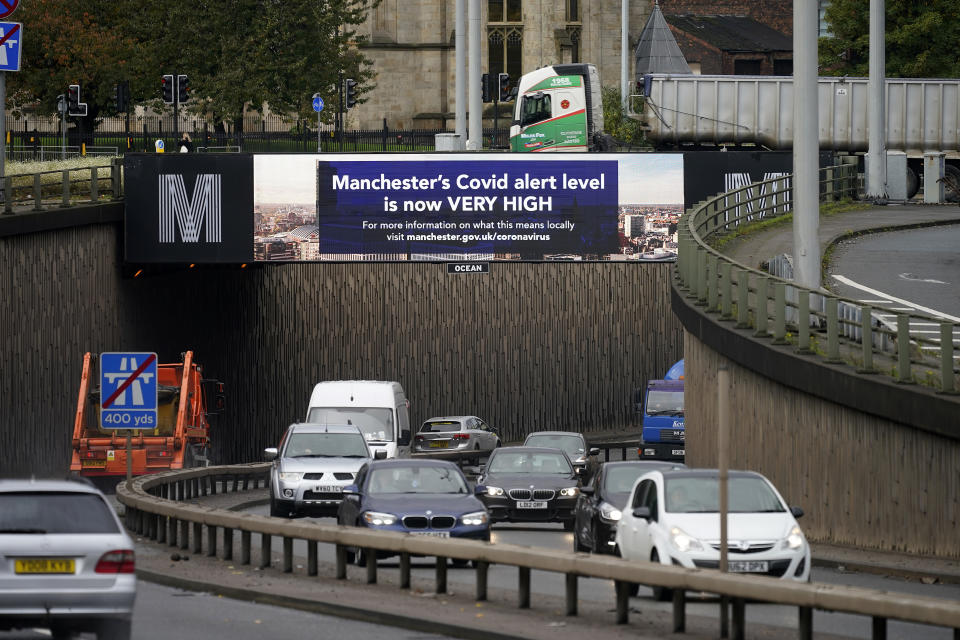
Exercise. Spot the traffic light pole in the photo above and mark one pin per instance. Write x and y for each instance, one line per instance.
(63, 127)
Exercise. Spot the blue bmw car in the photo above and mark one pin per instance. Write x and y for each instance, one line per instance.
(420, 497)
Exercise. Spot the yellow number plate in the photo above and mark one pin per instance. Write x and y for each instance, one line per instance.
(93, 464)
(44, 565)
(439, 444)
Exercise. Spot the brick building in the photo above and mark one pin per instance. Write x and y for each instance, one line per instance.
(411, 45)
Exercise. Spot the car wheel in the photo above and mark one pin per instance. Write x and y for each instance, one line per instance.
(660, 594)
(361, 558)
(459, 563)
(634, 589)
(58, 632)
(578, 547)
(568, 525)
(114, 630)
(276, 511)
(597, 547)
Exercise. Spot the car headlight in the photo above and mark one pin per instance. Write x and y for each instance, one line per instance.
(569, 492)
(494, 491)
(683, 541)
(609, 512)
(474, 519)
(378, 519)
(794, 539)
(289, 476)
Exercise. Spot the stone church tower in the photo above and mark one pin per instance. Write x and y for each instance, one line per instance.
(411, 44)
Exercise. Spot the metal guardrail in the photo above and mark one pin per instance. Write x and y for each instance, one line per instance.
(780, 309)
(153, 510)
(63, 188)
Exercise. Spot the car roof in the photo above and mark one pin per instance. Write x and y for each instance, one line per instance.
(661, 465)
(308, 427)
(448, 419)
(46, 485)
(708, 473)
(410, 462)
(529, 450)
(556, 433)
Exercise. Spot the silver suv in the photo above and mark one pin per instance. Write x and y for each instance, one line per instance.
(65, 561)
(312, 465)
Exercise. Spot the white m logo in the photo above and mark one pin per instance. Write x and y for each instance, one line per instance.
(189, 214)
(756, 197)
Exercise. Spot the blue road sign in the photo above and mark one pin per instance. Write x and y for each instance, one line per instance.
(10, 36)
(317, 104)
(128, 390)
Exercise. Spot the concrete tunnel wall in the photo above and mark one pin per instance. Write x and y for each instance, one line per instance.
(527, 346)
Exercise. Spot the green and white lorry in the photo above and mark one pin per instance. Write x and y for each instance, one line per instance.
(559, 108)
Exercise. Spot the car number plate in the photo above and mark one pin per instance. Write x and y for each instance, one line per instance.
(531, 505)
(439, 444)
(328, 488)
(678, 452)
(93, 464)
(44, 565)
(432, 534)
(748, 566)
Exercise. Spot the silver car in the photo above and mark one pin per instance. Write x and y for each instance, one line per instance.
(312, 465)
(66, 563)
(456, 437)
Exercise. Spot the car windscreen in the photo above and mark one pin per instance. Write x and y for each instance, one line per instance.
(440, 427)
(325, 445)
(415, 479)
(540, 462)
(664, 403)
(572, 445)
(376, 423)
(620, 479)
(55, 512)
(702, 495)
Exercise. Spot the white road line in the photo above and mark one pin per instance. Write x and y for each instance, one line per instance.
(884, 301)
(934, 312)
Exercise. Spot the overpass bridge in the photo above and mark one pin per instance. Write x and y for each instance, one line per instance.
(873, 459)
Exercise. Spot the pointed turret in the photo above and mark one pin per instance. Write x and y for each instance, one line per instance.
(657, 51)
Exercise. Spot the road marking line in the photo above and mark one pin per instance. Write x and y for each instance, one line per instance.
(849, 282)
(884, 301)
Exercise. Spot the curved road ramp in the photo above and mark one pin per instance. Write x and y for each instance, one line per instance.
(156, 508)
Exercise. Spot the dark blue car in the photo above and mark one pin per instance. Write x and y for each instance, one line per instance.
(420, 497)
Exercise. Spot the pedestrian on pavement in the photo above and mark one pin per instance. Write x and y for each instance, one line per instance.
(186, 144)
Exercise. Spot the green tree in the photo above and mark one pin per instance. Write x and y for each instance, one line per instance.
(921, 39)
(237, 53)
(617, 123)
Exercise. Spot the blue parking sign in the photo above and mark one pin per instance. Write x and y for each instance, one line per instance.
(10, 36)
(128, 390)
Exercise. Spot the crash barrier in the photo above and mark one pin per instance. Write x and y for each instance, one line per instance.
(920, 345)
(154, 509)
(63, 188)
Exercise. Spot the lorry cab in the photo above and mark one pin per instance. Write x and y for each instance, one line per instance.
(379, 409)
(558, 108)
(663, 430)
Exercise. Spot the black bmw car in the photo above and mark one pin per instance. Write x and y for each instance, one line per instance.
(415, 496)
(530, 484)
(599, 505)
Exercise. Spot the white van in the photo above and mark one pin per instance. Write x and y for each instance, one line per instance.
(379, 409)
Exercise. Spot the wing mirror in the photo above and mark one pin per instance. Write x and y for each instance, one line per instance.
(797, 512)
(642, 513)
(380, 454)
(594, 451)
(270, 453)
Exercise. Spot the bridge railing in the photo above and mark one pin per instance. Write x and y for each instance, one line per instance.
(910, 346)
(155, 509)
(70, 187)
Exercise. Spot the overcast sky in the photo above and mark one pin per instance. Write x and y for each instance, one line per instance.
(651, 178)
(284, 178)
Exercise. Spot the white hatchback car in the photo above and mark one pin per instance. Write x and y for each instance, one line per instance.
(673, 518)
(65, 561)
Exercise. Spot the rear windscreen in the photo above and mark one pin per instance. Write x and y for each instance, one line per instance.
(439, 427)
(38, 512)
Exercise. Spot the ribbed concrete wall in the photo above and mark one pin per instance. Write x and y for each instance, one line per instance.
(861, 480)
(527, 346)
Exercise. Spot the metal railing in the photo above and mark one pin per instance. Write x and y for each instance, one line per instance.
(154, 510)
(63, 188)
(814, 320)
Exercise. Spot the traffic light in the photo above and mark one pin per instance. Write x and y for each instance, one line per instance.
(167, 84)
(73, 98)
(350, 93)
(485, 88)
(503, 84)
(183, 88)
